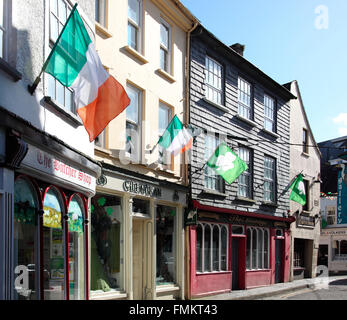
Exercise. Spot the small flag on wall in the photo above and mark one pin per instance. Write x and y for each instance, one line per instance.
(226, 163)
(298, 190)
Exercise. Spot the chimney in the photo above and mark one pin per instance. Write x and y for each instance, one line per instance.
(239, 48)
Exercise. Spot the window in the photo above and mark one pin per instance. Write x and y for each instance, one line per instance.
(213, 181)
(106, 239)
(100, 140)
(245, 180)
(269, 179)
(340, 250)
(331, 215)
(306, 207)
(304, 141)
(100, 12)
(244, 99)
(133, 123)
(166, 245)
(25, 238)
(59, 12)
(134, 24)
(213, 80)
(257, 250)
(269, 116)
(165, 46)
(211, 247)
(3, 30)
(165, 116)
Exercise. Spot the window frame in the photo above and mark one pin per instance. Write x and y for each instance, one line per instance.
(211, 226)
(271, 112)
(166, 50)
(138, 27)
(101, 12)
(265, 248)
(242, 107)
(169, 164)
(209, 173)
(307, 207)
(136, 157)
(215, 90)
(248, 173)
(305, 140)
(272, 181)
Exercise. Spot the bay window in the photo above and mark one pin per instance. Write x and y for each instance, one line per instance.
(212, 243)
(257, 248)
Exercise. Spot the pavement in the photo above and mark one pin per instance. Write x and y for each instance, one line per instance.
(276, 289)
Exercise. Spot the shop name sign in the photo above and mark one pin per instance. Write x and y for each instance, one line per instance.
(306, 221)
(47, 163)
(141, 188)
(334, 232)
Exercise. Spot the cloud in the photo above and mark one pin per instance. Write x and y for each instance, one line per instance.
(341, 119)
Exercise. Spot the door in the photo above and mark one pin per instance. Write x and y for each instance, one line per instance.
(235, 262)
(278, 261)
(137, 259)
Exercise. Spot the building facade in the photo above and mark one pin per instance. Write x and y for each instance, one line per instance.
(137, 235)
(304, 158)
(47, 171)
(240, 237)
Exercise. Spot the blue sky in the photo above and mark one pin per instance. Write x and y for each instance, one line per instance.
(303, 40)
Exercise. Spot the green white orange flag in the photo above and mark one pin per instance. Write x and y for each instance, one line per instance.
(74, 62)
(176, 138)
(226, 163)
(298, 190)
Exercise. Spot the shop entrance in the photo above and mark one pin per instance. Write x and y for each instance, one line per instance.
(138, 259)
(235, 263)
(278, 261)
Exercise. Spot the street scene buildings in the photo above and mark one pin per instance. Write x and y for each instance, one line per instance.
(143, 212)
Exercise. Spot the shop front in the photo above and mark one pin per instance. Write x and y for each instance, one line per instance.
(236, 250)
(45, 222)
(136, 237)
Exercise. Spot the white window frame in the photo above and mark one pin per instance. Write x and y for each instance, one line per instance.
(245, 91)
(4, 29)
(209, 173)
(101, 7)
(137, 26)
(166, 158)
(255, 265)
(213, 80)
(269, 113)
(212, 226)
(166, 49)
(135, 156)
(246, 155)
(272, 181)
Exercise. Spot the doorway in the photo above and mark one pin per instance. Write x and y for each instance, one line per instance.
(235, 263)
(138, 259)
(278, 261)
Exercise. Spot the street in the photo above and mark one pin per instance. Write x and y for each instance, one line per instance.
(335, 290)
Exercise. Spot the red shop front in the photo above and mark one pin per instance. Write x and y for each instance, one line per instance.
(236, 250)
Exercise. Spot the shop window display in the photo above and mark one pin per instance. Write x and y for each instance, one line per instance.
(106, 238)
(25, 238)
(166, 249)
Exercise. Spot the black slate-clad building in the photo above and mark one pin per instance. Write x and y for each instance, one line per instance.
(241, 239)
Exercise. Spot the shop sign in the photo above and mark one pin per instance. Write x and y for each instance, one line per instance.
(306, 221)
(141, 188)
(334, 232)
(342, 196)
(191, 217)
(49, 164)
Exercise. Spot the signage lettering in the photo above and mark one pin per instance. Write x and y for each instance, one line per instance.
(141, 188)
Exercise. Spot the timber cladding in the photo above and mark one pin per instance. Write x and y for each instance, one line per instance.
(225, 121)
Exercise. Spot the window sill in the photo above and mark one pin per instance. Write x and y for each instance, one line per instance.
(102, 150)
(67, 114)
(217, 105)
(258, 270)
(136, 54)
(102, 30)
(212, 272)
(270, 204)
(271, 133)
(165, 75)
(12, 72)
(166, 288)
(248, 121)
(113, 295)
(243, 199)
(214, 192)
(306, 155)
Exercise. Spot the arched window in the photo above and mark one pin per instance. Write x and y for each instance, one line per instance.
(224, 248)
(53, 245)
(254, 249)
(260, 248)
(207, 248)
(199, 232)
(26, 204)
(215, 248)
(76, 248)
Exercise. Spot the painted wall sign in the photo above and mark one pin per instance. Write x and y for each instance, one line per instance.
(51, 165)
(342, 197)
(306, 221)
(141, 188)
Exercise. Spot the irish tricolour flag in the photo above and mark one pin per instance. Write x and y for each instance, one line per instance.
(176, 138)
(73, 61)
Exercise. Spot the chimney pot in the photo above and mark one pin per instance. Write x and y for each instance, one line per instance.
(239, 48)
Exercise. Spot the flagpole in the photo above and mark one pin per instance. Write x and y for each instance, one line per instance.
(33, 87)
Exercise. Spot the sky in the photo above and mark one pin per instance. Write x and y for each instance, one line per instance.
(303, 40)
